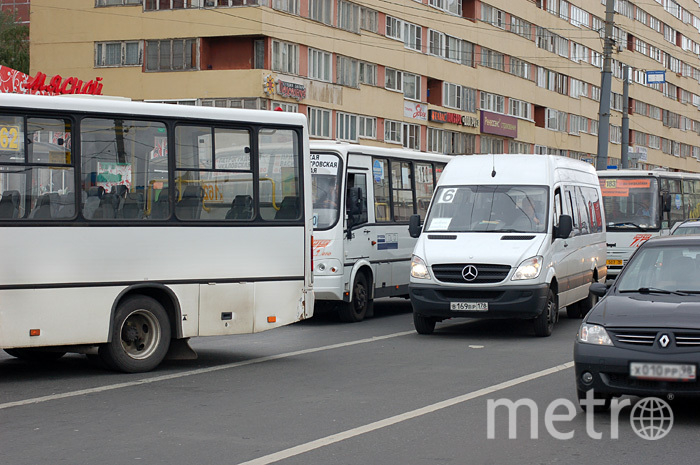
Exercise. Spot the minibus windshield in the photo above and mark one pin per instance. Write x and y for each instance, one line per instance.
(325, 175)
(489, 208)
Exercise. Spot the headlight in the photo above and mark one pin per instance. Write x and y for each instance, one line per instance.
(593, 334)
(529, 269)
(418, 268)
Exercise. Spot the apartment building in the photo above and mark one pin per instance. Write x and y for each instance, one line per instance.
(443, 76)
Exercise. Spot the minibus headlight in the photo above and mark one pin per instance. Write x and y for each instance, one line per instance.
(529, 269)
(593, 334)
(418, 268)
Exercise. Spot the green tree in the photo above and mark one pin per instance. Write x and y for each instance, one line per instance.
(14, 43)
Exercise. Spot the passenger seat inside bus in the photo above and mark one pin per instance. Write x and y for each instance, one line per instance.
(92, 202)
(43, 208)
(190, 205)
(289, 209)
(9, 204)
(161, 207)
(132, 206)
(241, 208)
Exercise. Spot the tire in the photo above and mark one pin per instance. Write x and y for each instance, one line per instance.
(585, 305)
(356, 309)
(423, 324)
(573, 311)
(140, 336)
(596, 408)
(38, 355)
(544, 323)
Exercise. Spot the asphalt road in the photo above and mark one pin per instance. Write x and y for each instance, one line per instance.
(325, 392)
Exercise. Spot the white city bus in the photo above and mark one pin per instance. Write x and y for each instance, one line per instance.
(642, 204)
(124, 232)
(363, 199)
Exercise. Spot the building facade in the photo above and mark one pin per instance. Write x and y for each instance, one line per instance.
(19, 8)
(444, 76)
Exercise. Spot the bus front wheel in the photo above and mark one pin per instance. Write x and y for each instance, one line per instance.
(140, 336)
(357, 308)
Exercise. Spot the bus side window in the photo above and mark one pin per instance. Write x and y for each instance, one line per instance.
(358, 180)
(557, 210)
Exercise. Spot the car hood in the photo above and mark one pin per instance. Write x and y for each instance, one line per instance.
(647, 311)
(492, 248)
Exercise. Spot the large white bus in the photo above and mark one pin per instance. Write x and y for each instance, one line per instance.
(125, 232)
(642, 204)
(363, 199)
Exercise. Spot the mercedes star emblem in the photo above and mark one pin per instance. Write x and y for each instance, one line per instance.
(469, 273)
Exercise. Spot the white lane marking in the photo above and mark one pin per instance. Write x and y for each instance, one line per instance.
(338, 437)
(200, 371)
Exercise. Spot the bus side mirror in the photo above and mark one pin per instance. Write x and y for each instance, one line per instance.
(414, 226)
(566, 225)
(667, 203)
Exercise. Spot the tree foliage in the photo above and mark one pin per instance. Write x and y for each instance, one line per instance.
(14, 43)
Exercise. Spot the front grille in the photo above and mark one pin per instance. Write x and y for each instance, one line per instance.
(459, 294)
(687, 340)
(445, 237)
(517, 238)
(644, 338)
(452, 273)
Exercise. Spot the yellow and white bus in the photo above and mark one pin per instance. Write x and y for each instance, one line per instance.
(124, 232)
(363, 198)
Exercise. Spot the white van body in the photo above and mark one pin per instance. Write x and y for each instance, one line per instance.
(469, 263)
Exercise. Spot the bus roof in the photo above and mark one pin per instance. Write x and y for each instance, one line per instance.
(345, 148)
(643, 173)
(126, 107)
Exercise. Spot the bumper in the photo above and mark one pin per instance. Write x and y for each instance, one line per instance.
(610, 367)
(504, 302)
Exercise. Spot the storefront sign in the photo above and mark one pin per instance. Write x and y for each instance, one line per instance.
(501, 125)
(13, 81)
(291, 90)
(414, 110)
(454, 118)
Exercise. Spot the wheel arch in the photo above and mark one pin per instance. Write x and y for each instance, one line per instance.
(365, 268)
(159, 292)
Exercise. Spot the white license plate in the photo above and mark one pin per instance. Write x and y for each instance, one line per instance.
(663, 371)
(470, 306)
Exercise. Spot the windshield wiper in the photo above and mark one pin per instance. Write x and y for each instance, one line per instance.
(654, 290)
(628, 223)
(688, 292)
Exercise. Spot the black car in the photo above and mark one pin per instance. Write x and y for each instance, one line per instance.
(643, 336)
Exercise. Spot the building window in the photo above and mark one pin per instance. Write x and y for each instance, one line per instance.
(459, 143)
(520, 109)
(118, 53)
(247, 103)
(115, 2)
(393, 79)
(436, 42)
(394, 28)
(493, 16)
(492, 59)
(285, 106)
(411, 86)
(392, 131)
(435, 140)
(171, 55)
(320, 65)
(469, 99)
(413, 37)
(492, 102)
(451, 95)
(349, 16)
(368, 73)
(491, 145)
(518, 147)
(285, 57)
(288, 6)
(319, 122)
(450, 6)
(369, 20)
(347, 127)
(411, 136)
(521, 27)
(320, 10)
(520, 68)
(347, 72)
(368, 127)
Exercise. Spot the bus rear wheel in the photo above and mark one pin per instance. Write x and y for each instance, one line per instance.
(356, 309)
(140, 336)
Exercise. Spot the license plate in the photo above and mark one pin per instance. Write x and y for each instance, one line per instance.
(614, 262)
(663, 371)
(470, 306)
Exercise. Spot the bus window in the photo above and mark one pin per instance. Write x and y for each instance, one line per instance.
(380, 168)
(424, 187)
(401, 190)
(280, 182)
(360, 214)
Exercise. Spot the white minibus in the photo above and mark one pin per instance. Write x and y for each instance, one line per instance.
(509, 236)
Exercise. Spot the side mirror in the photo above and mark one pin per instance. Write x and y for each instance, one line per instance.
(566, 225)
(414, 226)
(598, 289)
(667, 203)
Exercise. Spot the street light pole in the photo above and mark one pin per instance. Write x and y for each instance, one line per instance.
(625, 118)
(605, 88)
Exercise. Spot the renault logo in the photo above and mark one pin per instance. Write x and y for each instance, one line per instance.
(664, 340)
(469, 273)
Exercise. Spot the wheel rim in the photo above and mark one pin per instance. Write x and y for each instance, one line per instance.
(140, 334)
(360, 297)
(550, 312)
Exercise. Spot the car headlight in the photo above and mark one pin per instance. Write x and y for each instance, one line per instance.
(418, 268)
(593, 334)
(529, 269)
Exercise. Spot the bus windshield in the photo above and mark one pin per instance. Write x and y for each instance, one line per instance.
(489, 208)
(630, 203)
(325, 173)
